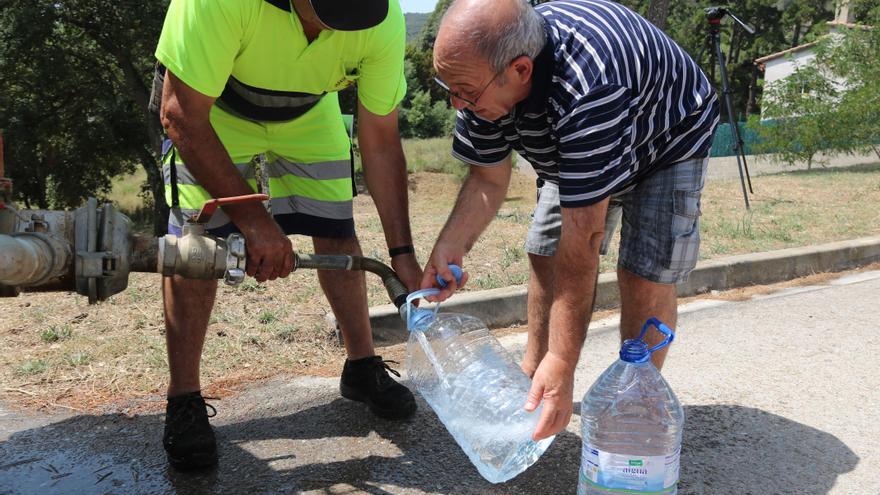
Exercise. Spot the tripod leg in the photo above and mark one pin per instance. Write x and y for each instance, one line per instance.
(725, 87)
(742, 151)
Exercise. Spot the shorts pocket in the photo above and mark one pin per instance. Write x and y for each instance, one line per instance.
(686, 211)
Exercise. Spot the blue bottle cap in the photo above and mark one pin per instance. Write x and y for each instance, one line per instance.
(634, 351)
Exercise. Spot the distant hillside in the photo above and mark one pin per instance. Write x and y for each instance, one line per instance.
(414, 24)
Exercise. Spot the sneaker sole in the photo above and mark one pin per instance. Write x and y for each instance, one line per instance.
(192, 462)
(353, 394)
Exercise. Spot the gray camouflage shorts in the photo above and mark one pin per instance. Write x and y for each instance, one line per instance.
(660, 233)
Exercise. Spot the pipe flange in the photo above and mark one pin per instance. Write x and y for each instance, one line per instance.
(236, 259)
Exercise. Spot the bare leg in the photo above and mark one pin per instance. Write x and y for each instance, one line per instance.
(539, 301)
(640, 300)
(347, 293)
(188, 305)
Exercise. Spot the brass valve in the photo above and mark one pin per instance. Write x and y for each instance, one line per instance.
(196, 254)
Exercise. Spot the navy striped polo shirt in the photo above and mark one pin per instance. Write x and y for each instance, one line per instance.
(613, 99)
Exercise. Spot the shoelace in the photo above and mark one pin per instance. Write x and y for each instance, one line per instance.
(382, 377)
(192, 408)
(384, 364)
(209, 406)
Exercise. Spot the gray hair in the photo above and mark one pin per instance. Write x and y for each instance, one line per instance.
(521, 33)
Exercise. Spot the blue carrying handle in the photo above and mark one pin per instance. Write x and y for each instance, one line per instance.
(662, 328)
(456, 272)
(412, 320)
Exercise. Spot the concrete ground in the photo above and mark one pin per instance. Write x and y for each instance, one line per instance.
(780, 392)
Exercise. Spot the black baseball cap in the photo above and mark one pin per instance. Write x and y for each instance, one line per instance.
(350, 15)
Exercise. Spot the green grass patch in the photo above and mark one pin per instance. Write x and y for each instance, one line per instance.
(54, 334)
(265, 317)
(78, 359)
(31, 367)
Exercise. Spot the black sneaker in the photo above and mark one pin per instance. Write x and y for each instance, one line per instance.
(366, 380)
(189, 440)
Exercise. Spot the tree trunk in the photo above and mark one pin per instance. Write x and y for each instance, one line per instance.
(49, 161)
(739, 44)
(797, 35)
(734, 40)
(752, 101)
(658, 12)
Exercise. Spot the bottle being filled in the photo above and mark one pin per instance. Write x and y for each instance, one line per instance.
(475, 387)
(631, 425)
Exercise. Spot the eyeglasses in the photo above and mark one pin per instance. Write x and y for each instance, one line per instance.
(457, 95)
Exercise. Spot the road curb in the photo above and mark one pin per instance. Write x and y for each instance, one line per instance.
(507, 306)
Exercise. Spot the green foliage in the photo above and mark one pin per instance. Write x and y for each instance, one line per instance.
(75, 76)
(512, 254)
(432, 155)
(831, 103)
(78, 358)
(779, 26)
(31, 367)
(423, 119)
(250, 285)
(265, 317)
(54, 334)
(414, 23)
(419, 53)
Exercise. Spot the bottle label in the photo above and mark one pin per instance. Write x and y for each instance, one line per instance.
(621, 473)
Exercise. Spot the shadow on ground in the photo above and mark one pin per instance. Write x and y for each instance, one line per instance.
(336, 448)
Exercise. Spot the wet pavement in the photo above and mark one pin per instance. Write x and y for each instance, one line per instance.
(780, 394)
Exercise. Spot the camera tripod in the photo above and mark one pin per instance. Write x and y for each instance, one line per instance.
(713, 41)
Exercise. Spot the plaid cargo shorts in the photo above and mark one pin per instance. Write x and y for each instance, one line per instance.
(660, 232)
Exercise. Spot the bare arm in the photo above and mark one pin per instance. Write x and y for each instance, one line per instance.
(582, 232)
(185, 116)
(478, 200)
(385, 173)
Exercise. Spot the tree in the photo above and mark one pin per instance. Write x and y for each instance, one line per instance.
(685, 22)
(420, 53)
(76, 83)
(423, 119)
(831, 103)
(658, 13)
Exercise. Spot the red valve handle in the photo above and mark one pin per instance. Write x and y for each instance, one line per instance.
(211, 206)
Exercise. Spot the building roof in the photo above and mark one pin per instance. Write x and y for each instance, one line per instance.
(834, 25)
(785, 52)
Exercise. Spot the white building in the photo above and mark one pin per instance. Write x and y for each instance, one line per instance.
(782, 64)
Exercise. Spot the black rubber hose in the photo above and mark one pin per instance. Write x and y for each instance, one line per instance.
(397, 292)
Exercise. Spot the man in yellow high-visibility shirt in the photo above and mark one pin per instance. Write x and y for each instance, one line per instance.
(250, 77)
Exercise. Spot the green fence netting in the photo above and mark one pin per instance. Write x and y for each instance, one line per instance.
(724, 142)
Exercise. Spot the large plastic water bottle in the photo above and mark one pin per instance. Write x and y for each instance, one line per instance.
(631, 425)
(475, 387)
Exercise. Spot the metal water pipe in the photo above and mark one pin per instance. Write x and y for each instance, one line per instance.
(92, 251)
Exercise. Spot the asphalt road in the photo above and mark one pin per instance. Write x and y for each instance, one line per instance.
(781, 395)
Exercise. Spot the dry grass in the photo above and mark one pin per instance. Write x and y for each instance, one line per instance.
(798, 208)
(55, 350)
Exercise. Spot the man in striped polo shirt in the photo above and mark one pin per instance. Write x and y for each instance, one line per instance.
(617, 121)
